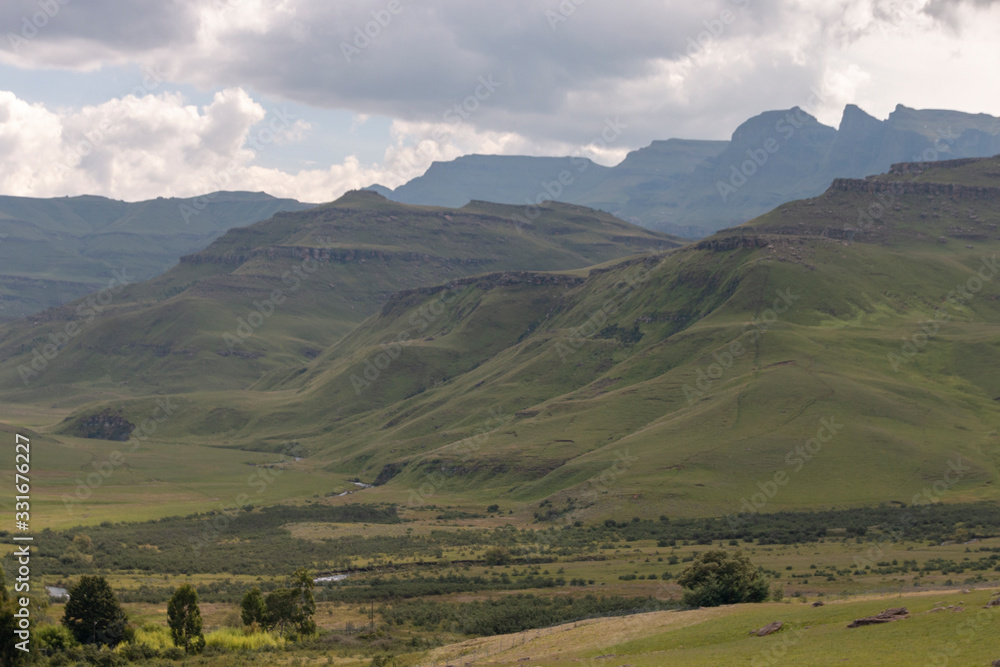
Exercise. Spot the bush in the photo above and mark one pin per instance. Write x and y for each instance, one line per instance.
(497, 556)
(718, 577)
(136, 652)
(232, 639)
(54, 638)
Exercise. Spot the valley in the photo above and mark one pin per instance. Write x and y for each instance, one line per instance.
(521, 427)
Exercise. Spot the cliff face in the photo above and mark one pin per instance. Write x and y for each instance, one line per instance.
(338, 255)
(874, 185)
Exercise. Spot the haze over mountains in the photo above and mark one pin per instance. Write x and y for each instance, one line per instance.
(55, 250)
(692, 188)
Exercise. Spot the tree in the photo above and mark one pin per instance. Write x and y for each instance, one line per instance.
(184, 619)
(252, 609)
(93, 614)
(281, 609)
(718, 577)
(292, 607)
(302, 582)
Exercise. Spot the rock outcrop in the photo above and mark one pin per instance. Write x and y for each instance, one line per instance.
(887, 616)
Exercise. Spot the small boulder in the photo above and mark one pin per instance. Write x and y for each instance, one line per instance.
(768, 629)
(818, 603)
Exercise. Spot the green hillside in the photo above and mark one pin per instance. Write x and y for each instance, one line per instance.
(814, 357)
(272, 296)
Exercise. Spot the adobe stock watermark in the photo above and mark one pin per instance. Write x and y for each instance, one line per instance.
(103, 470)
(594, 486)
(943, 654)
(434, 480)
(420, 320)
(365, 35)
(281, 120)
(552, 190)
(964, 293)
(929, 495)
(258, 481)
(795, 460)
(562, 13)
(869, 219)
(942, 144)
(603, 482)
(758, 326)
(714, 29)
(597, 320)
(263, 310)
(96, 136)
(86, 313)
(757, 158)
(777, 649)
(455, 117)
(32, 25)
(890, 15)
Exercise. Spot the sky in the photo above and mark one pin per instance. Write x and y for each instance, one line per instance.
(310, 98)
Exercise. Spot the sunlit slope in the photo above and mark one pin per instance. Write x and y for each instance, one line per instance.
(273, 295)
(800, 357)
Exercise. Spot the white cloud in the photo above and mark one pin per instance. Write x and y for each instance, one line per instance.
(156, 145)
(557, 88)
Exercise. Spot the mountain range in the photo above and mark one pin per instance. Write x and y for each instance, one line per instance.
(56, 250)
(693, 188)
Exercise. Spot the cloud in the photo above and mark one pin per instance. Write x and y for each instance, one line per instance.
(157, 145)
(559, 70)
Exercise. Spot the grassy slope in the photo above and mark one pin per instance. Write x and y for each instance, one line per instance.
(499, 397)
(719, 636)
(167, 334)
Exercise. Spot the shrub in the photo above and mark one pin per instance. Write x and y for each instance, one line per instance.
(497, 556)
(233, 639)
(718, 577)
(54, 638)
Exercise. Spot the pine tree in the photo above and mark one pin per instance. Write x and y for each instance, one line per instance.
(93, 614)
(252, 608)
(184, 619)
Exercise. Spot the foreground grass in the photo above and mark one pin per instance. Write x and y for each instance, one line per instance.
(720, 636)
